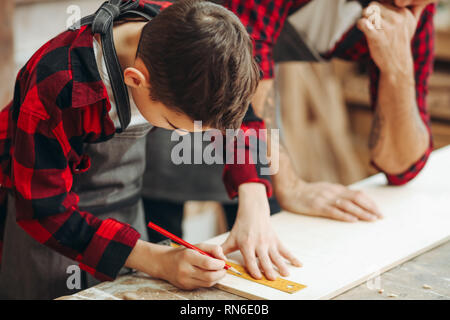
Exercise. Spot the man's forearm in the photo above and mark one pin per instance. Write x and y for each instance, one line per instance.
(398, 137)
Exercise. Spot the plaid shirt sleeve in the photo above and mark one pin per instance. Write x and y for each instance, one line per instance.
(423, 54)
(422, 47)
(264, 20)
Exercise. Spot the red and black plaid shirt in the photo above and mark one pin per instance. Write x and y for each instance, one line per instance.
(264, 20)
(60, 103)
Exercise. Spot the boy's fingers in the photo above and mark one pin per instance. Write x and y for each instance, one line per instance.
(218, 253)
(207, 247)
(289, 256)
(279, 262)
(250, 262)
(206, 263)
(229, 245)
(213, 249)
(209, 278)
(265, 262)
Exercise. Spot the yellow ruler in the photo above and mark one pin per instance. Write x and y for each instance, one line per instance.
(279, 283)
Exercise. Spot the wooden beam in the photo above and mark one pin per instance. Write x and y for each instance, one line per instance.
(442, 48)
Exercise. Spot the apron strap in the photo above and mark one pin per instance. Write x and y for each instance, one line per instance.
(102, 23)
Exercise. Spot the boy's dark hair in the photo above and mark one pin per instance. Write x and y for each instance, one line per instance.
(200, 60)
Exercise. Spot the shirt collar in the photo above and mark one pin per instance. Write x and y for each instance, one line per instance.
(87, 86)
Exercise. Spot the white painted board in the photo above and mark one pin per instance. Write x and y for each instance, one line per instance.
(338, 256)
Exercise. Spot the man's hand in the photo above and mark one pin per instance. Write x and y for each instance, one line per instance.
(254, 236)
(389, 35)
(329, 200)
(184, 268)
(320, 199)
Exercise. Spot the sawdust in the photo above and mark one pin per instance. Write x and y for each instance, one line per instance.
(146, 294)
(204, 294)
(130, 281)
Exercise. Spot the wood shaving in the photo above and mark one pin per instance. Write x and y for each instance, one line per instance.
(130, 296)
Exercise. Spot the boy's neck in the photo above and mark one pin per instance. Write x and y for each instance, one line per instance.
(126, 41)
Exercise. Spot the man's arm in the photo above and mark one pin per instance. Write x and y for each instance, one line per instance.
(400, 134)
(317, 199)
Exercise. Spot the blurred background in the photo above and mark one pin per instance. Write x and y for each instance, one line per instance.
(321, 150)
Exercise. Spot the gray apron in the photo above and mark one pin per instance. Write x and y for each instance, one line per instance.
(164, 180)
(110, 188)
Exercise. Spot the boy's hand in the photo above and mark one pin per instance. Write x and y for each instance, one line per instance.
(254, 236)
(185, 268)
(188, 269)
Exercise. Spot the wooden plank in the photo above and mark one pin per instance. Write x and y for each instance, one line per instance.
(442, 47)
(406, 281)
(315, 131)
(338, 256)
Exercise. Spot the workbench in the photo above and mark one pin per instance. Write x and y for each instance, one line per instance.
(405, 281)
(423, 275)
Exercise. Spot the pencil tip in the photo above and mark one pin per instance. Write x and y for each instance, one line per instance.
(235, 271)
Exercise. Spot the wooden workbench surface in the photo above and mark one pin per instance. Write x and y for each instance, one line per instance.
(405, 282)
(415, 221)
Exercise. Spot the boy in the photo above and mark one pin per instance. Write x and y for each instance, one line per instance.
(193, 61)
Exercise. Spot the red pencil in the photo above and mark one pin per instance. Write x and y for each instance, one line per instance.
(185, 243)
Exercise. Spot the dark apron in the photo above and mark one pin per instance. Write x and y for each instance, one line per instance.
(164, 180)
(110, 188)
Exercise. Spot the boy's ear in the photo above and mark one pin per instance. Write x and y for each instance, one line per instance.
(134, 78)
